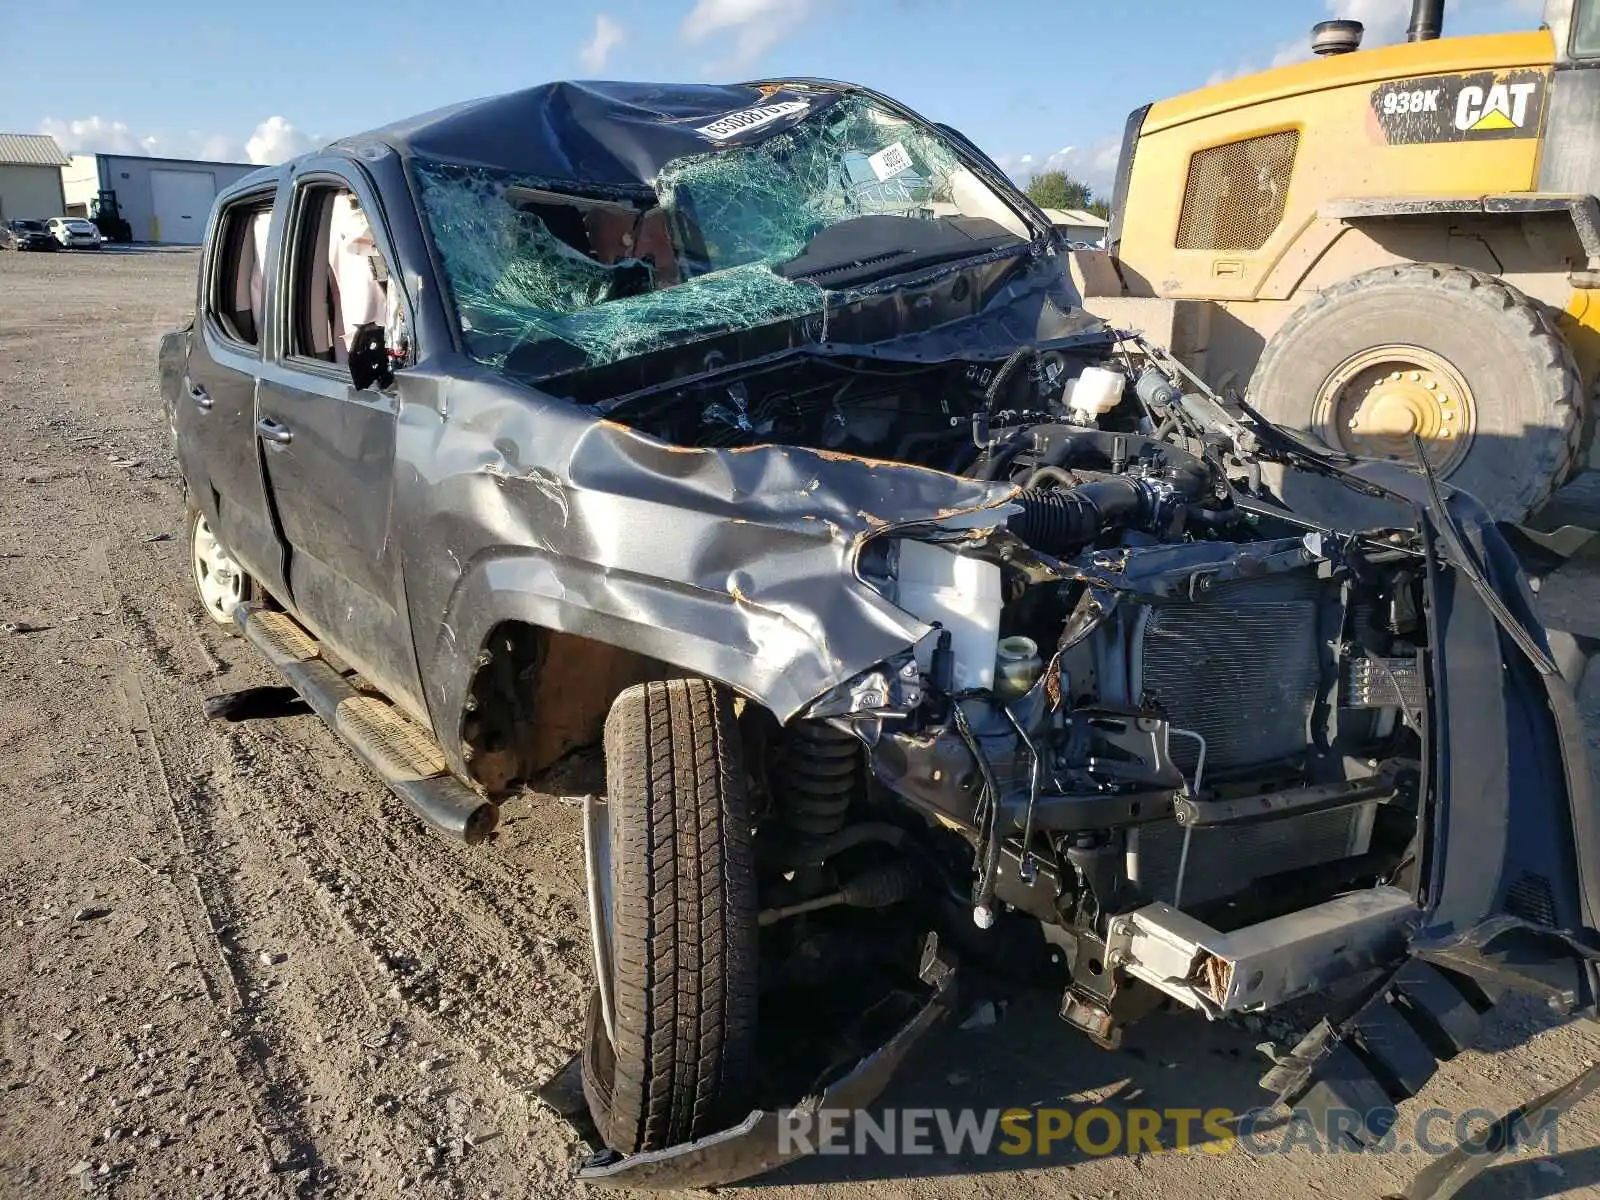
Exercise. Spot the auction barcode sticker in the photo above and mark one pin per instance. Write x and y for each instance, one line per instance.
(750, 118)
(889, 161)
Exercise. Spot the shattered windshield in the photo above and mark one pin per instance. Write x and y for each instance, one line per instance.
(724, 240)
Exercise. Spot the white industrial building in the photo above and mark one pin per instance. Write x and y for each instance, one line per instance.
(1078, 225)
(162, 199)
(30, 176)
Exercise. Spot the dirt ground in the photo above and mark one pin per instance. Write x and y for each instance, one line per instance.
(232, 965)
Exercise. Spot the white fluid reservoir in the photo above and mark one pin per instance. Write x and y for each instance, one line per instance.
(1096, 392)
(963, 595)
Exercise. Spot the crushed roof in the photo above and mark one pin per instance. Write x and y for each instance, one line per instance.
(616, 135)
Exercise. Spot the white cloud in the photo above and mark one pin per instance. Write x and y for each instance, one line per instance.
(608, 35)
(1094, 165)
(1386, 20)
(1286, 53)
(272, 141)
(754, 25)
(217, 147)
(275, 140)
(97, 135)
(1386, 23)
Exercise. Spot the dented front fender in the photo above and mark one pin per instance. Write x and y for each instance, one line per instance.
(735, 564)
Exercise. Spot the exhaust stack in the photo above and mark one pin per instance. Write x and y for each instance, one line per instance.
(1427, 21)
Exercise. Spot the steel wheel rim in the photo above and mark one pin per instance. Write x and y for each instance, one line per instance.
(218, 578)
(1376, 400)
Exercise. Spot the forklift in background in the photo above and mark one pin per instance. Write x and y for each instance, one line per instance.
(108, 217)
(1383, 243)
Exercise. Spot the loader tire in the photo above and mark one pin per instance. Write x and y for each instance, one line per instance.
(1523, 403)
(681, 918)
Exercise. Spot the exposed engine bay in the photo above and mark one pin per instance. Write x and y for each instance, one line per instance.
(1145, 683)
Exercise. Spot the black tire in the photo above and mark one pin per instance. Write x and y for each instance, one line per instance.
(682, 921)
(246, 591)
(1526, 387)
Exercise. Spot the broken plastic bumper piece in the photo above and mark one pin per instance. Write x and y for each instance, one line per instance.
(756, 1145)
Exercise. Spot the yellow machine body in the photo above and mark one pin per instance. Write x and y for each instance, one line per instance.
(1239, 203)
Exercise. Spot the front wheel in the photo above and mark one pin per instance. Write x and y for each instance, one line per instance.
(671, 1031)
(220, 581)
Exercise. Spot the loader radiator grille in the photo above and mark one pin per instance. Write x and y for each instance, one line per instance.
(1235, 195)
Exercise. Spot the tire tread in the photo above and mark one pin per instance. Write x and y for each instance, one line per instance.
(684, 916)
(1555, 433)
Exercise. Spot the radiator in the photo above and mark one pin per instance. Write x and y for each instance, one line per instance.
(1240, 668)
(1225, 860)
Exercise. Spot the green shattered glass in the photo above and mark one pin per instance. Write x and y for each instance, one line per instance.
(733, 215)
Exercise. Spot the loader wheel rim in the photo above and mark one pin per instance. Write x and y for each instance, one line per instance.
(219, 579)
(1376, 400)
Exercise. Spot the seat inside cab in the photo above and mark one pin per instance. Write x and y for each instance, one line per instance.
(342, 279)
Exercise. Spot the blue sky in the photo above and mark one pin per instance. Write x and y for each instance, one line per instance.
(1036, 83)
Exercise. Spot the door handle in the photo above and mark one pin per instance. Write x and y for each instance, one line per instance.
(200, 396)
(274, 431)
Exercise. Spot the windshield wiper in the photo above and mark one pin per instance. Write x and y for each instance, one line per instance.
(879, 244)
(893, 262)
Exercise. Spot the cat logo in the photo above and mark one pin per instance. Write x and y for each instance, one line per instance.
(1482, 106)
(1505, 106)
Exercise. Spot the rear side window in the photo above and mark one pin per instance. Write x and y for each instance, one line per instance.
(238, 273)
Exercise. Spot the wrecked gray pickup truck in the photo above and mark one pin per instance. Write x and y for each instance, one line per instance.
(758, 431)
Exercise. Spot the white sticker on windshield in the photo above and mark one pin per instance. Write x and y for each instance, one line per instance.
(889, 162)
(750, 118)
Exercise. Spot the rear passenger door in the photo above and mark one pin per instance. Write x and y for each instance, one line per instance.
(329, 447)
(215, 415)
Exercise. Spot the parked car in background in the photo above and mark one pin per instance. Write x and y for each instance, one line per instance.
(74, 233)
(21, 233)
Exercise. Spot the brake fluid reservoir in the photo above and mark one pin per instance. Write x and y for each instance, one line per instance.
(963, 595)
(1096, 392)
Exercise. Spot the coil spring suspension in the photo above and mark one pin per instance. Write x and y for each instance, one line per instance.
(815, 777)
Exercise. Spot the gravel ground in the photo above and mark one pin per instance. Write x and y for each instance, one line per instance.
(234, 966)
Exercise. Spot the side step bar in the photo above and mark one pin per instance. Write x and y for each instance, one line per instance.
(398, 750)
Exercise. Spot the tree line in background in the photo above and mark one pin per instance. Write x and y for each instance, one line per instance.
(1057, 189)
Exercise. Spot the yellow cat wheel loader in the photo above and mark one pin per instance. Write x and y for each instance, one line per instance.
(1383, 243)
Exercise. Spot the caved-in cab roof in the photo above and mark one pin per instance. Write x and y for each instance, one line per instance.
(616, 135)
